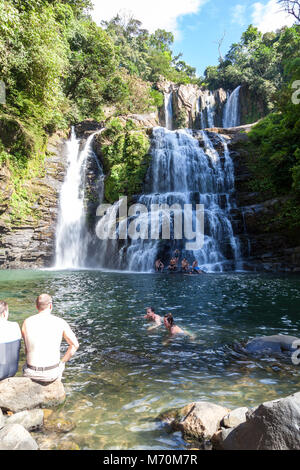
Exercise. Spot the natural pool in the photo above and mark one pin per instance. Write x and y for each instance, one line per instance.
(123, 376)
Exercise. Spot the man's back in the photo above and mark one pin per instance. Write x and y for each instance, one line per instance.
(43, 337)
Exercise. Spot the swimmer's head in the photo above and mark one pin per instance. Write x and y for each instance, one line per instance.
(150, 311)
(3, 310)
(169, 320)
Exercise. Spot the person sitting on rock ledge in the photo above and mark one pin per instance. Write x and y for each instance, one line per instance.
(10, 343)
(43, 334)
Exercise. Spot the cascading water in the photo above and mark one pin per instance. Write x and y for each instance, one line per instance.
(169, 110)
(72, 234)
(231, 109)
(182, 172)
(207, 105)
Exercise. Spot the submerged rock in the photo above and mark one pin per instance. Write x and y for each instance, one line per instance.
(68, 445)
(15, 437)
(20, 393)
(274, 425)
(57, 422)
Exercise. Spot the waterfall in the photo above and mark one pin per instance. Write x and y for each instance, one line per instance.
(72, 234)
(183, 172)
(207, 105)
(231, 110)
(169, 110)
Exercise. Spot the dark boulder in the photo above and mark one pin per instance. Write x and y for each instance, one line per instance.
(273, 425)
(276, 344)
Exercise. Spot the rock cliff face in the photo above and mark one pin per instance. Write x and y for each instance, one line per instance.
(266, 245)
(31, 244)
(189, 101)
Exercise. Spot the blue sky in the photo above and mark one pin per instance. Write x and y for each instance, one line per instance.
(199, 24)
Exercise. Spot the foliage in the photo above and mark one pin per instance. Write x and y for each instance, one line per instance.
(257, 62)
(146, 55)
(125, 154)
(275, 149)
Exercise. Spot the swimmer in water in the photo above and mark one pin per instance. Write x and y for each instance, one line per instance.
(171, 327)
(152, 316)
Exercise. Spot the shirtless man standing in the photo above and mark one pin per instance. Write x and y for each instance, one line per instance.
(43, 334)
(151, 316)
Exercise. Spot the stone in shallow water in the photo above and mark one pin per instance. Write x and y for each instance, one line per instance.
(20, 393)
(274, 425)
(29, 419)
(198, 420)
(68, 445)
(57, 422)
(15, 437)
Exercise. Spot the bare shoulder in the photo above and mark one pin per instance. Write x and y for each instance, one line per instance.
(60, 321)
(30, 319)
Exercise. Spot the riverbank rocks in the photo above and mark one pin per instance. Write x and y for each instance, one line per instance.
(2, 420)
(198, 420)
(235, 418)
(31, 420)
(273, 425)
(20, 393)
(16, 437)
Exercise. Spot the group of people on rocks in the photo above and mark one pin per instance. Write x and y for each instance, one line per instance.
(42, 334)
(173, 265)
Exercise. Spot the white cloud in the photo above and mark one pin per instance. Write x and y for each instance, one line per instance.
(238, 14)
(270, 16)
(154, 14)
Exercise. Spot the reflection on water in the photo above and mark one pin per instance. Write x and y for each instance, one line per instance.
(123, 376)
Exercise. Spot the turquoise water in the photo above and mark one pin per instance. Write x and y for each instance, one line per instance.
(123, 376)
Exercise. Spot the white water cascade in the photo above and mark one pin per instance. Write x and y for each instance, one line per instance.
(169, 110)
(231, 109)
(183, 172)
(207, 105)
(72, 235)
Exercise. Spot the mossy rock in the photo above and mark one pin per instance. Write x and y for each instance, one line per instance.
(57, 422)
(174, 416)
